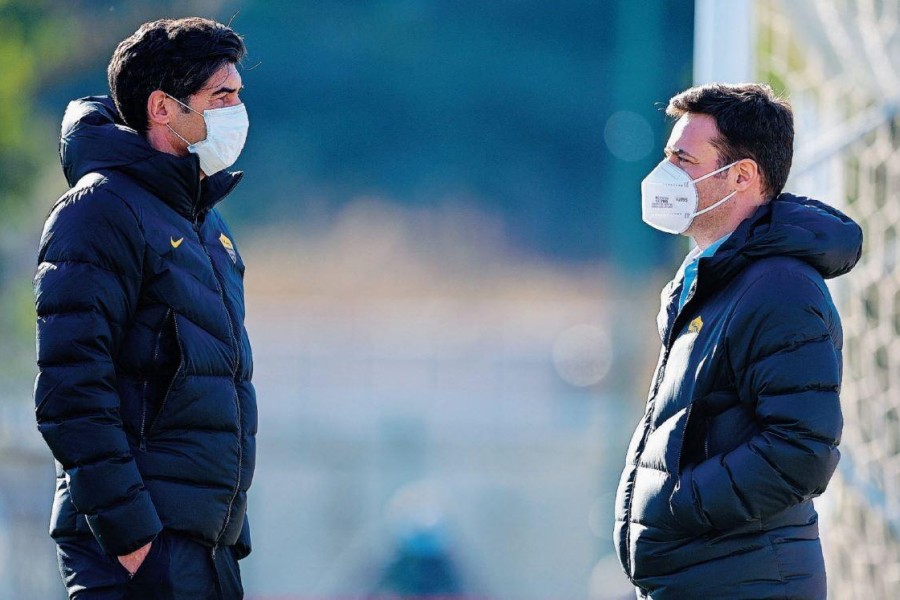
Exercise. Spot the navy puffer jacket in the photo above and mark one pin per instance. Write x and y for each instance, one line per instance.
(743, 418)
(143, 392)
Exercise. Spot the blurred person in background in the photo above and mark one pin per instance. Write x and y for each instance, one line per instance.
(143, 393)
(743, 417)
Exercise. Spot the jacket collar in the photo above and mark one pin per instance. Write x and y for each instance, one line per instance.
(806, 229)
(94, 139)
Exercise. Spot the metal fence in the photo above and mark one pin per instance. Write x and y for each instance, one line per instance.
(839, 62)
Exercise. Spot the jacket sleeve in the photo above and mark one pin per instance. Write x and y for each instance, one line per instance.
(784, 346)
(86, 290)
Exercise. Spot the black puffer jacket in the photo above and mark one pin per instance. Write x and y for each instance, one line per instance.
(743, 418)
(143, 392)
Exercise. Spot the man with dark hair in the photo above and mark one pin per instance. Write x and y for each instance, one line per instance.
(743, 417)
(143, 393)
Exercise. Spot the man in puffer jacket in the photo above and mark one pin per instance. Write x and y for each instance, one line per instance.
(143, 393)
(743, 418)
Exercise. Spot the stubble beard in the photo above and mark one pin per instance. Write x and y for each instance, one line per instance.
(713, 221)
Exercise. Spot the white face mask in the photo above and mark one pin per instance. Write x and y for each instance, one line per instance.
(226, 132)
(669, 197)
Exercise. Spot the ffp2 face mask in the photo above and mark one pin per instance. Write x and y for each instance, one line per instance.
(669, 197)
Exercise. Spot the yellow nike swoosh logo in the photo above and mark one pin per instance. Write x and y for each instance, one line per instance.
(175, 243)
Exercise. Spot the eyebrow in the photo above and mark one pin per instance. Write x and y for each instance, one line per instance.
(680, 153)
(227, 90)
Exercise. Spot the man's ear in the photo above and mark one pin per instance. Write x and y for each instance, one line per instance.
(158, 110)
(747, 174)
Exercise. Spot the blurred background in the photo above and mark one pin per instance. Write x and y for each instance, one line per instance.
(450, 292)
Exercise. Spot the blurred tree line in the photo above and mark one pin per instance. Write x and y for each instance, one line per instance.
(44, 43)
(543, 115)
(32, 45)
(508, 106)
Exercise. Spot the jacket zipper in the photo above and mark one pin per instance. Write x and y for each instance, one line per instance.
(143, 439)
(234, 372)
(706, 438)
(142, 442)
(646, 424)
(668, 346)
(681, 446)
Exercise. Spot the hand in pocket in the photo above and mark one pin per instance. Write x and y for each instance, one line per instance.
(132, 562)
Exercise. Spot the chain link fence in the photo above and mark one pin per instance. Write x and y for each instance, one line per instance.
(839, 63)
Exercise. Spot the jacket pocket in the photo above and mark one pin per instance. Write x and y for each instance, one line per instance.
(656, 478)
(154, 574)
(168, 364)
(665, 443)
(695, 441)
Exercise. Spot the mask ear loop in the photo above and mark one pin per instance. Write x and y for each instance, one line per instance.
(711, 173)
(723, 200)
(181, 137)
(197, 113)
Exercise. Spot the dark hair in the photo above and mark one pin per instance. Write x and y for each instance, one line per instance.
(752, 122)
(177, 56)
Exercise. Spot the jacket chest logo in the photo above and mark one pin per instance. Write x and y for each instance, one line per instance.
(175, 243)
(229, 247)
(696, 325)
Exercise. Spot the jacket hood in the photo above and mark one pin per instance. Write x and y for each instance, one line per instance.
(93, 138)
(795, 226)
(803, 228)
